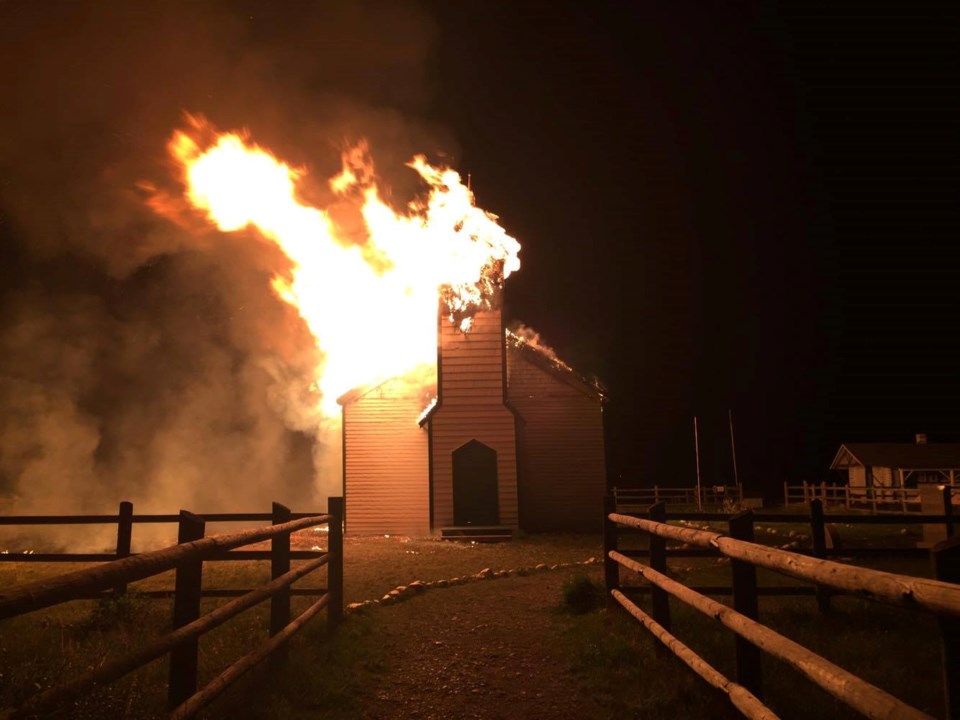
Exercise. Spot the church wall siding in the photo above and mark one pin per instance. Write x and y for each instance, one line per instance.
(561, 449)
(386, 469)
(472, 408)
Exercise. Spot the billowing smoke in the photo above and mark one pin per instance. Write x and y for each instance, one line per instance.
(140, 360)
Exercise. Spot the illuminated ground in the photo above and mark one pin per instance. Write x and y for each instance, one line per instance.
(477, 651)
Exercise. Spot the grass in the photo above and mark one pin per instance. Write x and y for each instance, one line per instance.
(581, 595)
(615, 661)
(894, 649)
(45, 648)
(322, 677)
(612, 656)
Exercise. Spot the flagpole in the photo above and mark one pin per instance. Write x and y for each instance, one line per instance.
(733, 451)
(696, 446)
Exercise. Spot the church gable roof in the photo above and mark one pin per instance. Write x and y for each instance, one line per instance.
(393, 387)
(524, 343)
(546, 359)
(908, 456)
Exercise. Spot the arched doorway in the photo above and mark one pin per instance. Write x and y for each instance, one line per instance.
(475, 499)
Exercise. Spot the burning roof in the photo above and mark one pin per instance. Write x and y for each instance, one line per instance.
(367, 289)
(526, 339)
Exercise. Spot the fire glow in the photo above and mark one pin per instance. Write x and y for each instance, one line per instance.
(371, 306)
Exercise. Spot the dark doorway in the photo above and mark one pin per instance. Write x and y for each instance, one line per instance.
(475, 499)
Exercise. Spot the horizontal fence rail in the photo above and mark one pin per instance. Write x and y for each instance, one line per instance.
(72, 586)
(187, 557)
(155, 519)
(125, 520)
(742, 699)
(903, 590)
(116, 669)
(876, 498)
(940, 597)
(845, 686)
(198, 701)
(709, 495)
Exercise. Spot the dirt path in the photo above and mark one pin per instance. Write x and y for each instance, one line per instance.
(480, 650)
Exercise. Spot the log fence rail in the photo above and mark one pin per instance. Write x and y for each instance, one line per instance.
(940, 597)
(186, 558)
(877, 499)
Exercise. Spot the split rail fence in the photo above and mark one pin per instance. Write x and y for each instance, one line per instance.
(940, 597)
(875, 499)
(710, 495)
(186, 558)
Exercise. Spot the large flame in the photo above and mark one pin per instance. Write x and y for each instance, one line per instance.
(372, 305)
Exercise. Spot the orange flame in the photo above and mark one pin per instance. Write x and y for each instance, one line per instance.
(371, 307)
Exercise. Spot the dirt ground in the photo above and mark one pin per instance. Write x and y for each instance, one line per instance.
(476, 651)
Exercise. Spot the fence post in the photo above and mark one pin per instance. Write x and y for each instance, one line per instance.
(846, 496)
(749, 657)
(658, 561)
(869, 481)
(818, 532)
(948, 510)
(611, 569)
(335, 508)
(279, 565)
(656, 494)
(786, 494)
(124, 535)
(186, 609)
(945, 556)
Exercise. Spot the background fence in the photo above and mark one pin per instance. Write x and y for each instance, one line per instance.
(186, 557)
(874, 499)
(709, 496)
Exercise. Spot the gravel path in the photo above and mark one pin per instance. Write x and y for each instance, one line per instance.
(478, 651)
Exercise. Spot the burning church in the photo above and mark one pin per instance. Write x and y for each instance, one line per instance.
(514, 439)
(453, 424)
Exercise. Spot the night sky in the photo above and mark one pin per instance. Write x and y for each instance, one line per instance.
(743, 206)
(723, 206)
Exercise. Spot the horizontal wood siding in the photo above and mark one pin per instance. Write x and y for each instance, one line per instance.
(386, 471)
(471, 364)
(858, 477)
(471, 408)
(561, 452)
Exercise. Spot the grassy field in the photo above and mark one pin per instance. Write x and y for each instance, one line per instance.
(45, 648)
(612, 657)
(895, 649)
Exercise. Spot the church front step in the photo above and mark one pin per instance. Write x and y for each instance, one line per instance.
(476, 533)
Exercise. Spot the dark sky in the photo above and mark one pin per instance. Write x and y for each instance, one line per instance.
(743, 206)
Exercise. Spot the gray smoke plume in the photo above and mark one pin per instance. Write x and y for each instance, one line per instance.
(139, 360)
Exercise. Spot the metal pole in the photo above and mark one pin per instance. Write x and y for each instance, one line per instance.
(696, 447)
(733, 451)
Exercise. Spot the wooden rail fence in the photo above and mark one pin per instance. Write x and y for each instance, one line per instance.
(875, 499)
(710, 495)
(940, 597)
(184, 700)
